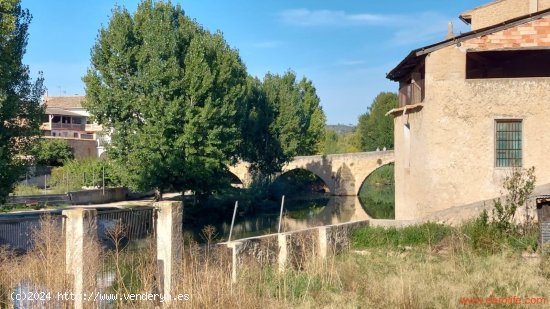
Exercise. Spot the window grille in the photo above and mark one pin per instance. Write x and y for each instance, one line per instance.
(508, 152)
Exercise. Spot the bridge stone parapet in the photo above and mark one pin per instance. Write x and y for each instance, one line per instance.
(342, 173)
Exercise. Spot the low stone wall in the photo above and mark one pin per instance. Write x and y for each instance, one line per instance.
(97, 197)
(84, 197)
(292, 249)
(47, 198)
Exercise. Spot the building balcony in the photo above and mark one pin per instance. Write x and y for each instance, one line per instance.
(412, 93)
(63, 126)
(46, 126)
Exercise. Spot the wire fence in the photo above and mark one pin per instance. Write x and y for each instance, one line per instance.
(122, 234)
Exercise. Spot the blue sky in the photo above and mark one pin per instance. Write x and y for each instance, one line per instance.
(345, 47)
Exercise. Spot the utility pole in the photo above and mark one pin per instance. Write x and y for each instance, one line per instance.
(103, 180)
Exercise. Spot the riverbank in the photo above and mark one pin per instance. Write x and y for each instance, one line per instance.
(384, 268)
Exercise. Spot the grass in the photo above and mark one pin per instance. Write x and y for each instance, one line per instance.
(27, 190)
(392, 238)
(423, 266)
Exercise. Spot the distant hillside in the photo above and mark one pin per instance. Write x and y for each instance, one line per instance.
(340, 128)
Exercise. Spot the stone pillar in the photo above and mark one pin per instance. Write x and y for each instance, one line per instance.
(169, 243)
(80, 235)
(283, 251)
(322, 242)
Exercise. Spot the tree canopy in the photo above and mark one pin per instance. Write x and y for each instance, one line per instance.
(299, 121)
(20, 110)
(375, 129)
(180, 106)
(284, 119)
(171, 92)
(51, 152)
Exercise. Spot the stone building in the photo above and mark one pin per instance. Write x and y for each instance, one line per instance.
(67, 119)
(473, 107)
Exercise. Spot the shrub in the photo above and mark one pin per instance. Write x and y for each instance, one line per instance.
(517, 188)
(488, 237)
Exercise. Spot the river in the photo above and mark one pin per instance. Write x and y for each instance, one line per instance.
(374, 202)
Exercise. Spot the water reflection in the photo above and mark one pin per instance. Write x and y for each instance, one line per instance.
(332, 210)
(378, 201)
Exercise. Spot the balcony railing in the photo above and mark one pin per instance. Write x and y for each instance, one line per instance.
(72, 126)
(69, 126)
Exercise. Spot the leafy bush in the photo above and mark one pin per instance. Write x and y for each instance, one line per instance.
(488, 237)
(76, 174)
(51, 152)
(517, 188)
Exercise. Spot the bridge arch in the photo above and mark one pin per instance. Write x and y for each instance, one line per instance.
(321, 176)
(234, 179)
(362, 176)
(366, 177)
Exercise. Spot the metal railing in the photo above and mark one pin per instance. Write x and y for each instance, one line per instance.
(125, 224)
(17, 232)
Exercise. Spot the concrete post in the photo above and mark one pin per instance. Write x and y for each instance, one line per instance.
(322, 243)
(80, 233)
(169, 243)
(283, 251)
(234, 246)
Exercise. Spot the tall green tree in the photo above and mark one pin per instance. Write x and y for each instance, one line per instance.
(260, 145)
(171, 93)
(315, 119)
(20, 110)
(375, 129)
(283, 119)
(299, 121)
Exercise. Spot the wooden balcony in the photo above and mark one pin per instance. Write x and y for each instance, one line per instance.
(412, 93)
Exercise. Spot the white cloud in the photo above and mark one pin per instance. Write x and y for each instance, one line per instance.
(306, 17)
(406, 28)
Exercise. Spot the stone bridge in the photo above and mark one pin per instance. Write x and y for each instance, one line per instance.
(344, 174)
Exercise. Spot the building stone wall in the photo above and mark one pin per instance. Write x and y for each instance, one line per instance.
(452, 138)
(82, 149)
